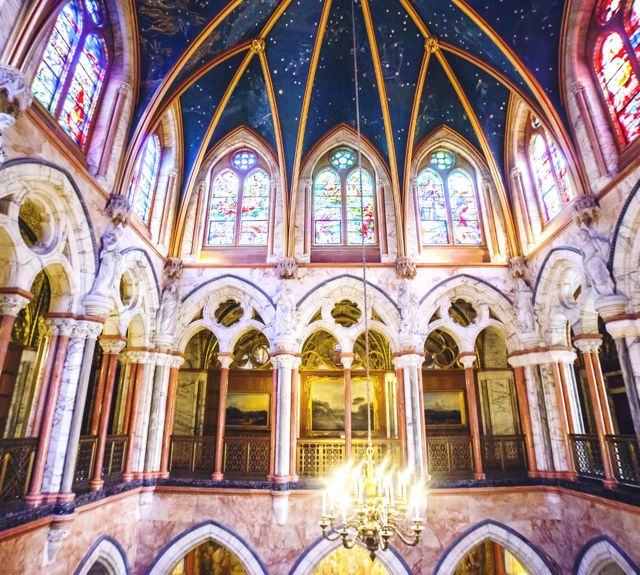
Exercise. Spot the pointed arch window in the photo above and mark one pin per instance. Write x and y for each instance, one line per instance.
(238, 213)
(343, 201)
(447, 203)
(145, 179)
(617, 64)
(71, 75)
(549, 171)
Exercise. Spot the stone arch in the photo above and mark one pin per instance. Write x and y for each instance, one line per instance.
(388, 202)
(198, 534)
(318, 550)
(601, 552)
(196, 197)
(107, 553)
(484, 182)
(625, 251)
(531, 558)
(68, 240)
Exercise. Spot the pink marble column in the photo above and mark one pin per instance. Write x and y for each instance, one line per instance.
(525, 419)
(12, 301)
(467, 360)
(225, 361)
(136, 376)
(169, 415)
(295, 389)
(60, 332)
(402, 418)
(347, 361)
(112, 348)
(566, 418)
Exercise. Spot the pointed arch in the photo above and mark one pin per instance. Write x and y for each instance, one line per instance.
(198, 534)
(531, 558)
(601, 552)
(107, 553)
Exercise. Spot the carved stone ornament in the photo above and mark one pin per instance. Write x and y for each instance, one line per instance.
(15, 98)
(518, 268)
(287, 268)
(173, 268)
(595, 249)
(285, 311)
(587, 211)
(118, 209)
(56, 534)
(406, 268)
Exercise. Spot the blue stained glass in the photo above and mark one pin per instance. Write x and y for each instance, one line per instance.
(360, 209)
(343, 159)
(254, 218)
(145, 179)
(84, 90)
(244, 160)
(442, 160)
(223, 208)
(432, 206)
(57, 55)
(327, 208)
(95, 11)
(464, 209)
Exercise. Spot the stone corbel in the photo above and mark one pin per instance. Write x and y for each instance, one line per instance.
(287, 268)
(406, 268)
(118, 209)
(58, 530)
(15, 98)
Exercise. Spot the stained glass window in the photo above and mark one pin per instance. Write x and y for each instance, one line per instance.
(550, 172)
(617, 65)
(432, 205)
(239, 204)
(145, 179)
(447, 204)
(327, 204)
(73, 69)
(360, 209)
(343, 159)
(57, 55)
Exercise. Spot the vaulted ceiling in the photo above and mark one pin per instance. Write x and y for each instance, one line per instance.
(302, 85)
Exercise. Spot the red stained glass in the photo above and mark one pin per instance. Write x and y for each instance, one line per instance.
(633, 27)
(607, 9)
(620, 85)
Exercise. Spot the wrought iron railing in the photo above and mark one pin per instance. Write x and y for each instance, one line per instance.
(85, 461)
(449, 456)
(16, 465)
(246, 455)
(625, 458)
(504, 453)
(587, 456)
(319, 457)
(114, 455)
(192, 454)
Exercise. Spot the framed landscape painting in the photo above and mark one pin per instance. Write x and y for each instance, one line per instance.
(445, 409)
(248, 410)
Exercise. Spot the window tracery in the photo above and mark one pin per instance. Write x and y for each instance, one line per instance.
(145, 179)
(617, 64)
(549, 171)
(238, 212)
(447, 203)
(344, 203)
(70, 77)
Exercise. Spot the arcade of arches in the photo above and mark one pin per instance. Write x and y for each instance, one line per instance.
(187, 190)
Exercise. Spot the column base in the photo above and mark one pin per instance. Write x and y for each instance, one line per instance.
(479, 476)
(281, 479)
(163, 475)
(66, 497)
(96, 484)
(33, 499)
(610, 483)
(48, 498)
(215, 476)
(128, 476)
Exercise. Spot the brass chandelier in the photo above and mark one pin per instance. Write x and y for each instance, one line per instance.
(368, 503)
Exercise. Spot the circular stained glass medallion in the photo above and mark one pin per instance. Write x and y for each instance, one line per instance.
(244, 160)
(442, 160)
(343, 158)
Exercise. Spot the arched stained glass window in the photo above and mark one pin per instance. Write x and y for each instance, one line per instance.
(143, 185)
(549, 171)
(360, 213)
(72, 72)
(239, 204)
(327, 208)
(616, 64)
(447, 203)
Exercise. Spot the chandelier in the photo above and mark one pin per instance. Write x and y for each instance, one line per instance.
(369, 503)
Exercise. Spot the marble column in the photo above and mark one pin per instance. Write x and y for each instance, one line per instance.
(400, 411)
(295, 417)
(140, 427)
(91, 330)
(11, 303)
(567, 426)
(225, 361)
(347, 361)
(157, 414)
(410, 363)
(598, 394)
(525, 419)
(111, 347)
(84, 334)
(137, 368)
(60, 331)
(467, 359)
(283, 362)
(174, 369)
(631, 374)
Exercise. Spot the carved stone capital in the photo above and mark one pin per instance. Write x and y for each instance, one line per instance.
(61, 326)
(518, 268)
(408, 360)
(588, 343)
(406, 268)
(15, 92)
(577, 87)
(173, 268)
(467, 359)
(11, 303)
(587, 211)
(287, 268)
(118, 209)
(283, 361)
(112, 346)
(87, 330)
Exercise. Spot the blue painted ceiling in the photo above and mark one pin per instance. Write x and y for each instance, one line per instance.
(191, 50)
